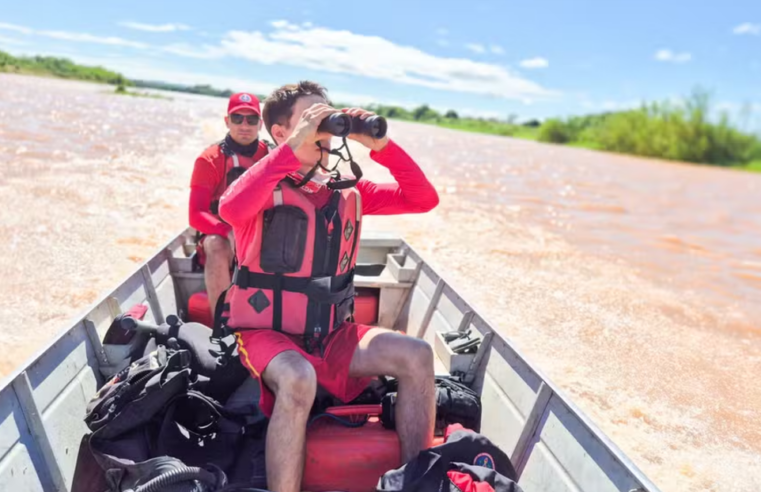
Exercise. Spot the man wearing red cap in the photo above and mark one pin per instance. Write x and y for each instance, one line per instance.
(214, 170)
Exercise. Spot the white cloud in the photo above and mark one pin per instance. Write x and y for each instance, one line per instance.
(16, 42)
(13, 27)
(670, 56)
(537, 62)
(341, 51)
(74, 36)
(476, 48)
(748, 28)
(155, 27)
(284, 24)
(497, 50)
(89, 38)
(344, 52)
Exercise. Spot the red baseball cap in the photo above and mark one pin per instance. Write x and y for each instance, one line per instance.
(243, 100)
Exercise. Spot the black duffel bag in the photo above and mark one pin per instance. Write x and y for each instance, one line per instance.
(455, 404)
(153, 428)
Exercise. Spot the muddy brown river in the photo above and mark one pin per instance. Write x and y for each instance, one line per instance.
(634, 284)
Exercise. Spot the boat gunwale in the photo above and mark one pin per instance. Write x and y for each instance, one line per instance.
(433, 271)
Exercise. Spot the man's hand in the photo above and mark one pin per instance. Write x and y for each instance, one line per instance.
(306, 128)
(376, 144)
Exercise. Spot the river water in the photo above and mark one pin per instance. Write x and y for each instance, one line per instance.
(634, 284)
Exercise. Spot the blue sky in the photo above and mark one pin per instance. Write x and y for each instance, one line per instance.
(493, 58)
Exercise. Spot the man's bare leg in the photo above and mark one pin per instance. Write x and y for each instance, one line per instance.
(293, 381)
(410, 360)
(219, 255)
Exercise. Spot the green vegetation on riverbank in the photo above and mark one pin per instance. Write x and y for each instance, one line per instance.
(754, 166)
(493, 126)
(58, 67)
(682, 132)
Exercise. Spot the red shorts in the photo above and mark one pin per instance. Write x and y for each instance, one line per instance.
(258, 347)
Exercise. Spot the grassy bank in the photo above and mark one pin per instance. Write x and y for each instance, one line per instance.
(689, 132)
(58, 67)
(754, 166)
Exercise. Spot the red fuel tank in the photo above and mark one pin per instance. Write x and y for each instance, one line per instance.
(199, 310)
(366, 306)
(350, 459)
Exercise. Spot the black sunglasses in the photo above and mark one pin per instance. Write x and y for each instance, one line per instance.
(251, 119)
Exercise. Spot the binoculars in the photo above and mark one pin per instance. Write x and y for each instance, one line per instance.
(341, 124)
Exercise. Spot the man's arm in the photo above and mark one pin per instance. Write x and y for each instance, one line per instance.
(200, 217)
(247, 195)
(412, 192)
(203, 182)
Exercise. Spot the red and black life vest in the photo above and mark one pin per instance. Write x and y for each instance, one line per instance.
(237, 159)
(298, 276)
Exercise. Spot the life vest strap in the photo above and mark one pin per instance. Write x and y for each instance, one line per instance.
(324, 290)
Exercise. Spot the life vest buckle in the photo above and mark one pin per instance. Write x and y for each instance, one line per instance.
(224, 354)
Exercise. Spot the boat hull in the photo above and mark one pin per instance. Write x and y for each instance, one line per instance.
(552, 444)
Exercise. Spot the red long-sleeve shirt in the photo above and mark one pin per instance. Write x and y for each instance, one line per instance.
(245, 198)
(208, 182)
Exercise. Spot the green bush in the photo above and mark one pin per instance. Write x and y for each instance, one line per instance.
(555, 131)
(683, 132)
(424, 113)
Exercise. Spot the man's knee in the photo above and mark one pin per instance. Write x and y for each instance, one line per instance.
(420, 355)
(214, 245)
(293, 380)
(415, 357)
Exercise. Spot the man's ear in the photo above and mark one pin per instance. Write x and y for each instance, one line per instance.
(227, 122)
(278, 133)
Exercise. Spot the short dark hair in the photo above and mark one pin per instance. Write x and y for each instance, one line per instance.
(278, 106)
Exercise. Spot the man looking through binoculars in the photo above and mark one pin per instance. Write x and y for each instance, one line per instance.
(291, 301)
